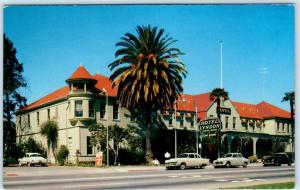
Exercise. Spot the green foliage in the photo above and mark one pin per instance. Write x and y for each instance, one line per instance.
(12, 99)
(28, 146)
(62, 154)
(252, 159)
(130, 157)
(49, 129)
(278, 145)
(98, 134)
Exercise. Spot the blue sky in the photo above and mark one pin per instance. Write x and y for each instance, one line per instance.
(52, 41)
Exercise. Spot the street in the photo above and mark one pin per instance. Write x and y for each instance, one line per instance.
(142, 177)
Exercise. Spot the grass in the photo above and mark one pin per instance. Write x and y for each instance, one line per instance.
(287, 185)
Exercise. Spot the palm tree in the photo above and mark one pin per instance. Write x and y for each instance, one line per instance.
(290, 96)
(148, 74)
(49, 129)
(216, 95)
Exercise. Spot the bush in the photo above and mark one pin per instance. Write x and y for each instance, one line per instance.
(62, 154)
(28, 146)
(252, 159)
(127, 157)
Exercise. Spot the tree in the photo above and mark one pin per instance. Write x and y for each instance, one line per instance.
(49, 129)
(148, 75)
(290, 97)
(117, 133)
(12, 99)
(216, 95)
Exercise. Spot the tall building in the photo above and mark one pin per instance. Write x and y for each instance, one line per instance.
(83, 101)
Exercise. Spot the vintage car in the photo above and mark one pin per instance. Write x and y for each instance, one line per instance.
(187, 160)
(31, 159)
(277, 159)
(231, 159)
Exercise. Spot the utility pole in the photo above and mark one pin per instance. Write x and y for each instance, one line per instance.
(175, 129)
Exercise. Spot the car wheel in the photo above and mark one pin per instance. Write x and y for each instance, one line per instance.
(228, 165)
(28, 164)
(289, 164)
(202, 166)
(20, 164)
(182, 166)
(245, 165)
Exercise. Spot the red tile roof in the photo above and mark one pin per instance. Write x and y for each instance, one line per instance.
(186, 103)
(260, 111)
(203, 102)
(268, 110)
(104, 82)
(247, 110)
(80, 73)
(56, 95)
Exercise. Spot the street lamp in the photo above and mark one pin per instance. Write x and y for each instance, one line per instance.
(106, 116)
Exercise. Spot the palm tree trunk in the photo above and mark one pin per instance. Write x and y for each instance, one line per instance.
(149, 154)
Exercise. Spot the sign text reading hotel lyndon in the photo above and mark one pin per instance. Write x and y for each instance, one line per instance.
(210, 124)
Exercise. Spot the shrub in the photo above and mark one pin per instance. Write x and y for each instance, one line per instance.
(252, 159)
(62, 154)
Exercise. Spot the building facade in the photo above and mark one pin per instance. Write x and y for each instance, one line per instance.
(88, 98)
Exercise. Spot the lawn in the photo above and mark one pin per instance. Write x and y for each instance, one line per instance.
(287, 185)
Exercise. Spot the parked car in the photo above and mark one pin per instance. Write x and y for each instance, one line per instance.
(231, 159)
(277, 159)
(31, 159)
(187, 160)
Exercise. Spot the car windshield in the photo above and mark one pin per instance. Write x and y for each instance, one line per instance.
(35, 155)
(227, 155)
(182, 156)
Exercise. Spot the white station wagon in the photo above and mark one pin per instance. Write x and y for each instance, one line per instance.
(32, 159)
(187, 160)
(231, 159)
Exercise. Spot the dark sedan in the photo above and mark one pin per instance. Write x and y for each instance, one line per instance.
(277, 159)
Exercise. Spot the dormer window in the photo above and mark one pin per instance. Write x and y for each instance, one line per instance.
(78, 87)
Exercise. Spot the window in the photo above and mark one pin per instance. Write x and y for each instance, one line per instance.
(56, 112)
(226, 122)
(48, 114)
(246, 124)
(115, 111)
(38, 118)
(89, 146)
(91, 109)
(20, 122)
(277, 126)
(211, 115)
(78, 87)
(102, 110)
(78, 108)
(181, 120)
(233, 122)
(170, 119)
(283, 126)
(28, 118)
(192, 121)
(288, 128)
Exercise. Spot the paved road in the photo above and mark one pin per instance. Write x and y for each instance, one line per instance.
(142, 178)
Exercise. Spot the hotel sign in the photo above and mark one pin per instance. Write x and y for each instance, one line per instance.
(210, 125)
(225, 111)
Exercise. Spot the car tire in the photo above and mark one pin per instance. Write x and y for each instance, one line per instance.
(29, 164)
(228, 165)
(245, 165)
(182, 166)
(20, 164)
(289, 164)
(202, 166)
